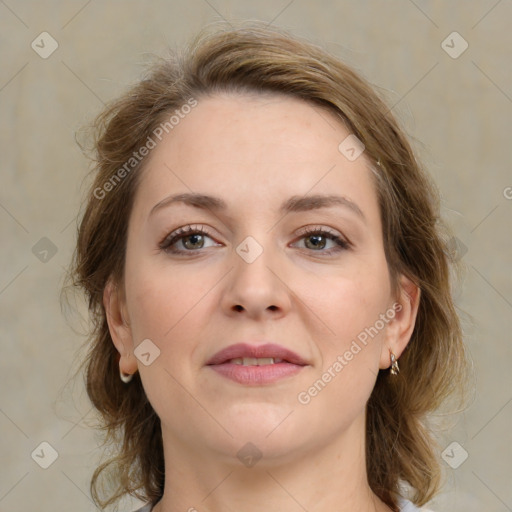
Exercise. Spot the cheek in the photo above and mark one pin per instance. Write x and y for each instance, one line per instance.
(349, 302)
(350, 354)
(150, 309)
(355, 309)
(163, 309)
(166, 304)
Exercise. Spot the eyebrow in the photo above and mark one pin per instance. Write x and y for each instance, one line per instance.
(293, 204)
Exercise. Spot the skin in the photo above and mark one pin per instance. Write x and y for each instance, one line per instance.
(254, 152)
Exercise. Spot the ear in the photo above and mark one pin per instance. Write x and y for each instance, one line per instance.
(119, 327)
(400, 328)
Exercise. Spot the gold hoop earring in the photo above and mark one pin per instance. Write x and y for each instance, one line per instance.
(395, 370)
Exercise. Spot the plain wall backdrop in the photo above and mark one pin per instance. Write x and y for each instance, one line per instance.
(445, 69)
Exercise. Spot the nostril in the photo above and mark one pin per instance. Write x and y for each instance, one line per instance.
(238, 307)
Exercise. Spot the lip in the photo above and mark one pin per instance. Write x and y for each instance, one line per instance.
(257, 351)
(256, 375)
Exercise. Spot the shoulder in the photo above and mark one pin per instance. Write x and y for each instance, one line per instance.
(407, 506)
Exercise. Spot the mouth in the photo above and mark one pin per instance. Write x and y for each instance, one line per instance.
(256, 361)
(256, 364)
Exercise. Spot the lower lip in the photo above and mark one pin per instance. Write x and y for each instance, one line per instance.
(256, 375)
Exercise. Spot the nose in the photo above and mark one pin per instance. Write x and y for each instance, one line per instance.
(256, 288)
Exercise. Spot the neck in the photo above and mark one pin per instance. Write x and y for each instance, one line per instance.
(326, 478)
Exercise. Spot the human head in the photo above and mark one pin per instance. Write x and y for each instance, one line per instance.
(263, 60)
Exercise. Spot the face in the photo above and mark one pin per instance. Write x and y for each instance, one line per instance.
(271, 266)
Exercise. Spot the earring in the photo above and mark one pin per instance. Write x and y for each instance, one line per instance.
(394, 364)
(125, 377)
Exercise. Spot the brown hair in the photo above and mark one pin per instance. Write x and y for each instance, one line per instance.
(254, 58)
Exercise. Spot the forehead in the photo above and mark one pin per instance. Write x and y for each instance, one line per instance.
(266, 128)
(252, 147)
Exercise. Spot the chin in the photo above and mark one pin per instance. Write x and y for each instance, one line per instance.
(249, 451)
(267, 429)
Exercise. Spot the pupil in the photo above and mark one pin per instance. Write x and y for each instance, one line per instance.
(317, 243)
(190, 237)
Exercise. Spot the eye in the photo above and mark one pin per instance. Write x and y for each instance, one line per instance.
(192, 238)
(317, 238)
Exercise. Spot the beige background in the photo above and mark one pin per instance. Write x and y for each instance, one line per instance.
(459, 108)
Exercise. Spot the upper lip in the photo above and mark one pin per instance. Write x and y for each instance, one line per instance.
(257, 351)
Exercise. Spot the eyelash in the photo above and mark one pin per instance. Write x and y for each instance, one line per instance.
(181, 233)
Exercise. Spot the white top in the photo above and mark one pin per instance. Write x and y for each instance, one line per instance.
(146, 508)
(405, 506)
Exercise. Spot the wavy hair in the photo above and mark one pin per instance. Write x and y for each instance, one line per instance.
(254, 58)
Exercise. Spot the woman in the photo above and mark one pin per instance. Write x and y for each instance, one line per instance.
(265, 266)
